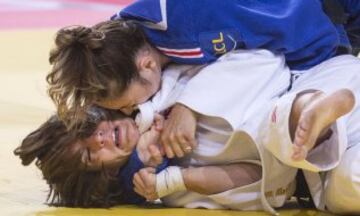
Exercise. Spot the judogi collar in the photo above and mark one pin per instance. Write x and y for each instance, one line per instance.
(151, 13)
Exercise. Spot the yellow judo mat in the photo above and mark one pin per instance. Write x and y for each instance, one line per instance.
(24, 105)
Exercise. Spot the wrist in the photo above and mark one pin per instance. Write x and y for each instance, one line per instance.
(183, 107)
(169, 181)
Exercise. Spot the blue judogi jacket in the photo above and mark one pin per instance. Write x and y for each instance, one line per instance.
(127, 172)
(199, 31)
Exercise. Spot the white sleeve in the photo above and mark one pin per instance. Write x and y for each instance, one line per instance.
(235, 86)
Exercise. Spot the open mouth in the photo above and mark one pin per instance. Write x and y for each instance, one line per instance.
(116, 140)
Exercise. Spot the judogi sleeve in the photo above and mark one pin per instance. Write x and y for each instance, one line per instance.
(237, 87)
(352, 25)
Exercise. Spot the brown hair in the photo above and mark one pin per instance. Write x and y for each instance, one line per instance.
(91, 64)
(70, 183)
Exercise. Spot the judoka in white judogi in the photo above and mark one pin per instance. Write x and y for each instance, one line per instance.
(247, 128)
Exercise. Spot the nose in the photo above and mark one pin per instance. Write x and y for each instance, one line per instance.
(103, 138)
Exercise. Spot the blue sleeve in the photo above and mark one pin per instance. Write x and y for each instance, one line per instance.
(352, 27)
(127, 173)
(351, 7)
(298, 29)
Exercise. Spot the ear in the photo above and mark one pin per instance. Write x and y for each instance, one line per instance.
(146, 63)
(146, 60)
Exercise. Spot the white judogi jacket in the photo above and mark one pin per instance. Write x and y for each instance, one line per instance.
(173, 82)
(257, 78)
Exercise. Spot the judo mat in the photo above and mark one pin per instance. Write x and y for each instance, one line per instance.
(27, 29)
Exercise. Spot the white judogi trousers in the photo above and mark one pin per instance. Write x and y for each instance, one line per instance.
(337, 189)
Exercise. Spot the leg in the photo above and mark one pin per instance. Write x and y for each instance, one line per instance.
(312, 114)
(342, 191)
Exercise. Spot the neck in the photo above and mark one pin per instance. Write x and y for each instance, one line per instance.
(163, 59)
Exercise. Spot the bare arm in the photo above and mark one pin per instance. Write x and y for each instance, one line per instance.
(204, 180)
(215, 179)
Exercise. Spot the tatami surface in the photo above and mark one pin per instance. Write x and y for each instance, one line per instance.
(26, 32)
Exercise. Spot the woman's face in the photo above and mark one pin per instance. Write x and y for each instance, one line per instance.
(111, 144)
(136, 93)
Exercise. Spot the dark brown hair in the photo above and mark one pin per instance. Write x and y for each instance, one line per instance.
(91, 64)
(70, 183)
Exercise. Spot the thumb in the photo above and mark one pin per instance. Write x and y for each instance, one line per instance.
(155, 153)
(151, 170)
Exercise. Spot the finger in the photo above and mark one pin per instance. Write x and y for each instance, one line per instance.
(187, 140)
(139, 192)
(152, 197)
(155, 154)
(185, 145)
(169, 152)
(165, 142)
(149, 194)
(142, 193)
(154, 137)
(146, 177)
(191, 141)
(151, 170)
(177, 149)
(149, 181)
(154, 149)
(162, 151)
(137, 180)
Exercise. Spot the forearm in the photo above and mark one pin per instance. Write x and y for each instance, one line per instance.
(215, 179)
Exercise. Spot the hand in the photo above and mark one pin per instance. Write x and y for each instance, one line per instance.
(145, 183)
(178, 135)
(148, 148)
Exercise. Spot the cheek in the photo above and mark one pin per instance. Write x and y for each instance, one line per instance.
(157, 83)
(134, 134)
(113, 160)
(151, 90)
